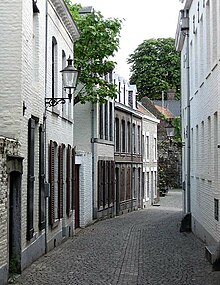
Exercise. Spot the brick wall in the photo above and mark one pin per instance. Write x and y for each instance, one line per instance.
(204, 120)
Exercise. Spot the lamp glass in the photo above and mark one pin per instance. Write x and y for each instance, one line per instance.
(70, 77)
(170, 130)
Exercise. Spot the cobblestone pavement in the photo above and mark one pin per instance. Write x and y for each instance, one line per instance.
(142, 247)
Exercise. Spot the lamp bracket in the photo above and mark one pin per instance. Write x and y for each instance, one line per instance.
(52, 102)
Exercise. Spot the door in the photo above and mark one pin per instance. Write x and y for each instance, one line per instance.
(15, 223)
(76, 196)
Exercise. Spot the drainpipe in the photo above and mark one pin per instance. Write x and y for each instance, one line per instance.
(44, 120)
(188, 125)
(93, 162)
(132, 159)
(185, 31)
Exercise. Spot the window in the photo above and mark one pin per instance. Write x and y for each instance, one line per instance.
(148, 185)
(31, 178)
(129, 136)
(122, 188)
(133, 139)
(147, 148)
(41, 179)
(139, 140)
(119, 91)
(54, 68)
(101, 121)
(117, 135)
(130, 98)
(106, 121)
(216, 209)
(64, 106)
(128, 184)
(110, 121)
(106, 183)
(155, 149)
(56, 182)
(123, 136)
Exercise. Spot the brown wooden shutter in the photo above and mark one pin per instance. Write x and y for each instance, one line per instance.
(128, 184)
(68, 179)
(51, 181)
(60, 182)
(41, 179)
(31, 178)
(100, 183)
(122, 188)
(112, 181)
(107, 183)
(73, 177)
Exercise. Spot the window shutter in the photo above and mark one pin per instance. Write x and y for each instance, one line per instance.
(107, 183)
(31, 178)
(51, 180)
(100, 183)
(68, 180)
(73, 176)
(112, 181)
(60, 182)
(41, 179)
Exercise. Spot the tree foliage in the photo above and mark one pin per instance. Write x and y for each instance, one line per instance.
(155, 67)
(99, 40)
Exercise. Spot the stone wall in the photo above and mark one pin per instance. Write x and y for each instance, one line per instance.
(7, 147)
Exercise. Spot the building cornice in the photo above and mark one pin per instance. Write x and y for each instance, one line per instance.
(67, 19)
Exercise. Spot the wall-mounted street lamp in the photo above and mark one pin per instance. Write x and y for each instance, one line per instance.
(70, 75)
(170, 129)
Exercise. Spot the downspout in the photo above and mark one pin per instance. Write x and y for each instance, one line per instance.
(186, 224)
(188, 125)
(93, 162)
(132, 158)
(44, 119)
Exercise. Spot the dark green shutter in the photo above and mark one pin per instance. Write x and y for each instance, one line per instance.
(51, 181)
(60, 182)
(68, 180)
(31, 178)
(41, 179)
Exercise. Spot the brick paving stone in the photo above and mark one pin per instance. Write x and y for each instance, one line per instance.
(143, 247)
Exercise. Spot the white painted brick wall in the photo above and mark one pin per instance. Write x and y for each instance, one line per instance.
(204, 103)
(85, 185)
(22, 73)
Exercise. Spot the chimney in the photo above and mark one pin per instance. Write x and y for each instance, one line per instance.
(171, 94)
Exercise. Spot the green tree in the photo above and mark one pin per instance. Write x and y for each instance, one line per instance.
(98, 42)
(155, 67)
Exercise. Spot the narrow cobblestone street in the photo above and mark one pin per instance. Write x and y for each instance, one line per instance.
(142, 247)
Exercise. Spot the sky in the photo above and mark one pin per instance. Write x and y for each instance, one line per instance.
(144, 19)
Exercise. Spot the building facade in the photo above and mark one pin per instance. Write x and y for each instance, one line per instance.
(135, 168)
(197, 39)
(96, 139)
(39, 147)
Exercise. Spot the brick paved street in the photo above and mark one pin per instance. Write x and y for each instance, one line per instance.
(142, 247)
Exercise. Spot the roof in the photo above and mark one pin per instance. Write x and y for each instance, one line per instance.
(173, 106)
(149, 105)
(164, 111)
(146, 112)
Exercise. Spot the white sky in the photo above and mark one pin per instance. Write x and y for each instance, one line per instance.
(144, 19)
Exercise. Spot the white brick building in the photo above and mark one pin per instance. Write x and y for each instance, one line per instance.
(35, 43)
(149, 156)
(93, 128)
(197, 39)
